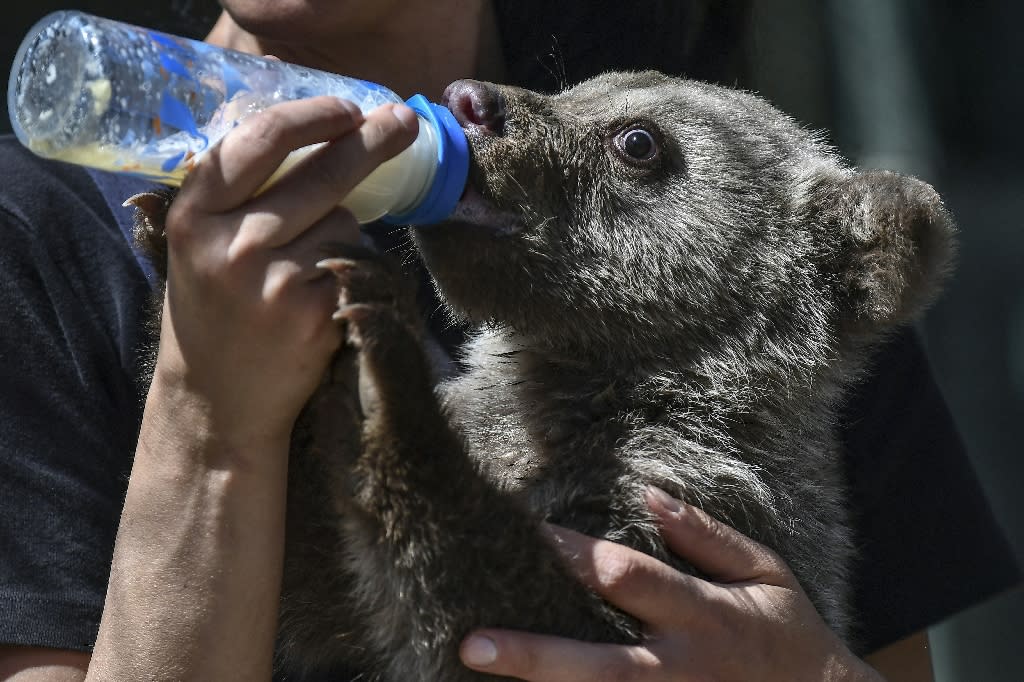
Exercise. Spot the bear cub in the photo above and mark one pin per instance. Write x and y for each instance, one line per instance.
(671, 284)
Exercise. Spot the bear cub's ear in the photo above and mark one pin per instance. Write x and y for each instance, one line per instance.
(897, 239)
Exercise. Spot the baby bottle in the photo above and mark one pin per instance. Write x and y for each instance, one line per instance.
(122, 98)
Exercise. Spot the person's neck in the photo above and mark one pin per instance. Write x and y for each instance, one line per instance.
(417, 52)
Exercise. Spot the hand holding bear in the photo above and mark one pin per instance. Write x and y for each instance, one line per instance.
(749, 620)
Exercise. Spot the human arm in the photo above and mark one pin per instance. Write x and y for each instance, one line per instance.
(750, 621)
(246, 335)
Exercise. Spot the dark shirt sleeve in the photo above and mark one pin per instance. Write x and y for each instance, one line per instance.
(928, 543)
(69, 305)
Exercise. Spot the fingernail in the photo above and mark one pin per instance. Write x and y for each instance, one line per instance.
(479, 651)
(659, 499)
(405, 116)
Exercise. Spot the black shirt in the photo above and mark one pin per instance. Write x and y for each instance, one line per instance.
(71, 300)
(73, 297)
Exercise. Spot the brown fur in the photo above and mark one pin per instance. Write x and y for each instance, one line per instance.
(689, 320)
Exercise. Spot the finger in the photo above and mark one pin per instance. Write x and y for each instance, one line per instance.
(232, 170)
(640, 585)
(544, 658)
(295, 277)
(319, 182)
(335, 233)
(712, 547)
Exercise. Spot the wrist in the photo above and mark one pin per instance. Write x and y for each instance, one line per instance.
(199, 550)
(195, 431)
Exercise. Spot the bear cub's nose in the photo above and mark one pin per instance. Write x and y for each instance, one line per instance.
(476, 106)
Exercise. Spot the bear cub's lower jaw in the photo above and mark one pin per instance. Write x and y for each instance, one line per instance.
(474, 209)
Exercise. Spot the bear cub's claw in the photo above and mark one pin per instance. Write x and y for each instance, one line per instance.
(360, 281)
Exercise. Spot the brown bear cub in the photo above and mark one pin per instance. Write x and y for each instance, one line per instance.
(672, 284)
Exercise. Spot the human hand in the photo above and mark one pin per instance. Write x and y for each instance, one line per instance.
(750, 621)
(246, 330)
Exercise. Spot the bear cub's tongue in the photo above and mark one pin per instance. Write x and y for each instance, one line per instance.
(474, 209)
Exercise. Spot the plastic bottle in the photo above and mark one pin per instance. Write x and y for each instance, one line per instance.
(122, 98)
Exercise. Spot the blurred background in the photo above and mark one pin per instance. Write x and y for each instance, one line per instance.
(932, 89)
(937, 90)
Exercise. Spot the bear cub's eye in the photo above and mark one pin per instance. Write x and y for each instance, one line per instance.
(637, 145)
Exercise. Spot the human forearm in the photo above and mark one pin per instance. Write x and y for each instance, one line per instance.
(196, 571)
(245, 337)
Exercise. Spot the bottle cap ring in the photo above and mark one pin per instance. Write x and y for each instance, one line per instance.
(452, 167)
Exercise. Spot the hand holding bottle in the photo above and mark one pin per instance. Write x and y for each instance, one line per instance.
(247, 329)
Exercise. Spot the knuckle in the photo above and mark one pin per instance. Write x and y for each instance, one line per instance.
(769, 557)
(383, 134)
(180, 224)
(521, 659)
(342, 111)
(381, 124)
(772, 564)
(705, 525)
(259, 134)
(529, 662)
(243, 247)
(618, 571)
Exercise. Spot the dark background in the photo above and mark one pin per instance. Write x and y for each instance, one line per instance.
(935, 89)
(932, 89)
